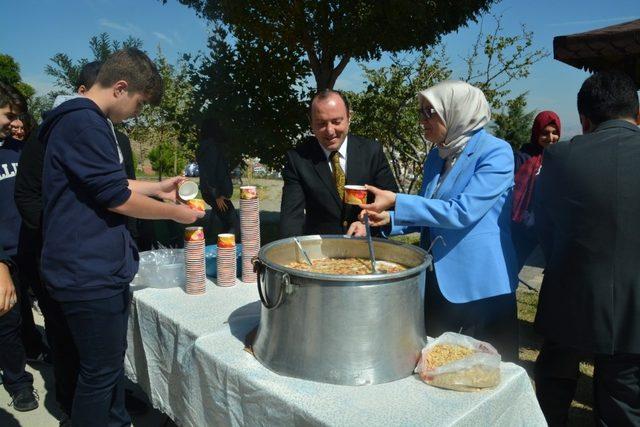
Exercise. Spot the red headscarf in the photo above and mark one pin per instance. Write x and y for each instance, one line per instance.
(525, 176)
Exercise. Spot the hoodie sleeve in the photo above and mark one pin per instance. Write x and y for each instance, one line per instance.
(92, 157)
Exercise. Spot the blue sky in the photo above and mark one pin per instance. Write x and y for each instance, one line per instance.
(51, 26)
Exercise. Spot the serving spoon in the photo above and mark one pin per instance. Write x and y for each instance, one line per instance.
(304, 253)
(374, 270)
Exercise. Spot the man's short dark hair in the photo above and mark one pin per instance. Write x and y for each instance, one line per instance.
(608, 95)
(133, 66)
(88, 74)
(10, 96)
(326, 93)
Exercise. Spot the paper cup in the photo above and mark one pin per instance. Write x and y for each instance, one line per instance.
(187, 190)
(193, 234)
(226, 240)
(196, 204)
(248, 192)
(355, 194)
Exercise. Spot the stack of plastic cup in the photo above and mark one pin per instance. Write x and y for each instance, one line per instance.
(250, 230)
(226, 260)
(194, 263)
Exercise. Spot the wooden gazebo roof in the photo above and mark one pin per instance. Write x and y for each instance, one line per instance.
(614, 47)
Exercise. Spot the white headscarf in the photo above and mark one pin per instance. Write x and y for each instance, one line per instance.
(464, 110)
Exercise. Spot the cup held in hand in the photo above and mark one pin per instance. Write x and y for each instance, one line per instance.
(355, 194)
(187, 190)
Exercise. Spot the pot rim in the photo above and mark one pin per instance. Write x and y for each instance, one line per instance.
(347, 279)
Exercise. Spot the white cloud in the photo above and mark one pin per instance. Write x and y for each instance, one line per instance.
(619, 19)
(163, 37)
(127, 28)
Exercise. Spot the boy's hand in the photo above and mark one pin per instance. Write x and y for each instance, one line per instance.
(168, 189)
(8, 296)
(185, 215)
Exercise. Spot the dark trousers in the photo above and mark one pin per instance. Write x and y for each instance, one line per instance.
(12, 356)
(66, 363)
(524, 242)
(556, 375)
(99, 331)
(616, 389)
(30, 335)
(65, 356)
(616, 385)
(223, 222)
(494, 320)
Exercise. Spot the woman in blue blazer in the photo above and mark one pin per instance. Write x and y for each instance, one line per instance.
(465, 199)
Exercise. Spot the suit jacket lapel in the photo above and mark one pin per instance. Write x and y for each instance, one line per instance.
(459, 166)
(355, 165)
(433, 181)
(321, 167)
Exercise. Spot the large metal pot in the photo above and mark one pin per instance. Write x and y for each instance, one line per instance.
(351, 330)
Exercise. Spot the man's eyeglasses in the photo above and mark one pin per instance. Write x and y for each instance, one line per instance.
(426, 112)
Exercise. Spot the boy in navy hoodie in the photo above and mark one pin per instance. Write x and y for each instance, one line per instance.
(88, 256)
(17, 382)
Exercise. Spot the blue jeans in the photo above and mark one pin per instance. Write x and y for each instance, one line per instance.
(12, 356)
(99, 331)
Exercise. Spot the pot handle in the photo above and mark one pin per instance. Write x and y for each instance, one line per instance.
(284, 281)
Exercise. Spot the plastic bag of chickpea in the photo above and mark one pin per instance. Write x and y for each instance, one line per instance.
(459, 362)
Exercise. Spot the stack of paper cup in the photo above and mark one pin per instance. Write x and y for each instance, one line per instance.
(194, 260)
(226, 261)
(250, 230)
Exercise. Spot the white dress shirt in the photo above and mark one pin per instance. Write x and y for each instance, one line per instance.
(342, 153)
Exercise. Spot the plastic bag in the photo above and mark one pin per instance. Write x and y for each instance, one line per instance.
(458, 362)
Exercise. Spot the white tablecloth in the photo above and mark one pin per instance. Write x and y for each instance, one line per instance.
(187, 353)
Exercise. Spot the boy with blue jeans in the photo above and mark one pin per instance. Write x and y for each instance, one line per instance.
(17, 382)
(88, 256)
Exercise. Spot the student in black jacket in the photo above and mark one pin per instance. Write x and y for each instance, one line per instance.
(28, 198)
(17, 382)
(88, 256)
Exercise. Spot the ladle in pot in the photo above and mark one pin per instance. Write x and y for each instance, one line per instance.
(304, 253)
(374, 270)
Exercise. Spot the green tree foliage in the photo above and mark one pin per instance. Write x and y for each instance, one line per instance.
(168, 127)
(164, 158)
(10, 73)
(331, 33)
(387, 111)
(66, 71)
(514, 124)
(496, 59)
(256, 80)
(255, 92)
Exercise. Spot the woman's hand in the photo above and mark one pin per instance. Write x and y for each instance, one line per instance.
(221, 202)
(168, 189)
(385, 200)
(357, 229)
(376, 219)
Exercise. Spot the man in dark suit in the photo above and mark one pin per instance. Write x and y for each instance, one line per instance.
(318, 169)
(586, 212)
